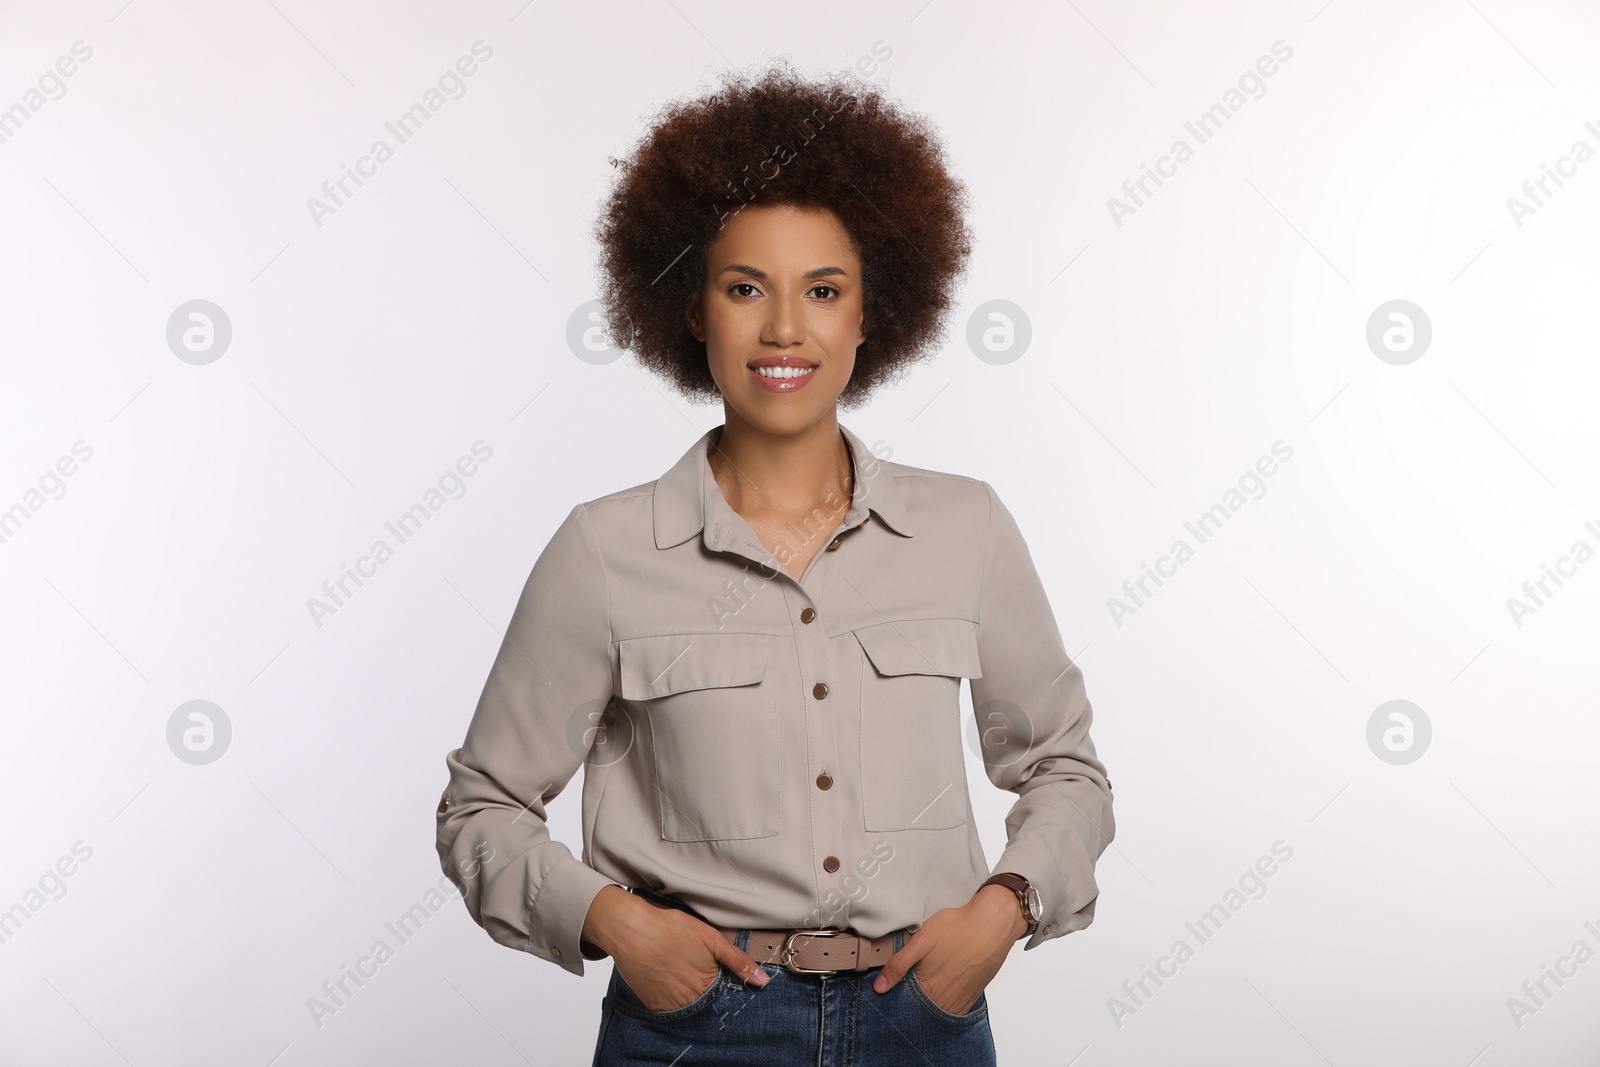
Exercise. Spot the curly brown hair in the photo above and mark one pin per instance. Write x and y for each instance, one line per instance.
(771, 137)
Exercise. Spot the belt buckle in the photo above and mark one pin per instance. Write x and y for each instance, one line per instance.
(788, 952)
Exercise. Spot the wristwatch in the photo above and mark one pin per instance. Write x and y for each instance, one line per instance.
(1032, 906)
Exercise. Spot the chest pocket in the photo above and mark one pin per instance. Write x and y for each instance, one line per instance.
(713, 731)
(913, 773)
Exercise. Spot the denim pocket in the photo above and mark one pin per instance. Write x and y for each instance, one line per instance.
(629, 1003)
(979, 1010)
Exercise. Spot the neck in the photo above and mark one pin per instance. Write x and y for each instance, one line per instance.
(782, 473)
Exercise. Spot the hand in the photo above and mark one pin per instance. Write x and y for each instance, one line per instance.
(958, 951)
(667, 956)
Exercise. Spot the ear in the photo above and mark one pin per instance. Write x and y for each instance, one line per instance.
(691, 316)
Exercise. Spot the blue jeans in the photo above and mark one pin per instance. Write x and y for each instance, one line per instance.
(835, 1020)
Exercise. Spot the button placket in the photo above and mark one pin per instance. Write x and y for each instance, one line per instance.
(826, 822)
(822, 731)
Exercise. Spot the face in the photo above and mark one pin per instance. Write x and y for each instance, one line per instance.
(781, 315)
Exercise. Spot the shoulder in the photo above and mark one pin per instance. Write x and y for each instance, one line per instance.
(613, 519)
(622, 499)
(923, 488)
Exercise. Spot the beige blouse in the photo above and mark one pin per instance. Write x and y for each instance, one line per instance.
(776, 752)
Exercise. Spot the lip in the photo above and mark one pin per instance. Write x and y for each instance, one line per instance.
(781, 385)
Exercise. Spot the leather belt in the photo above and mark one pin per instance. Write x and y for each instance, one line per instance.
(816, 950)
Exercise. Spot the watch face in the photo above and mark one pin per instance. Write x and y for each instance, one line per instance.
(1035, 905)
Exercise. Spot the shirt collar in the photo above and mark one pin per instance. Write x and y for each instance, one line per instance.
(688, 500)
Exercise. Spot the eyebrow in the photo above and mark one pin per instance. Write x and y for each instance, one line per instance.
(820, 272)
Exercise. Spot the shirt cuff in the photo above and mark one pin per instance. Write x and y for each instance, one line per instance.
(558, 912)
(1039, 869)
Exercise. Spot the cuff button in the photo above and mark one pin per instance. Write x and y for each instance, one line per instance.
(444, 805)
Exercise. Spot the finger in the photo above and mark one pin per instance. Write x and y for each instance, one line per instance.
(899, 963)
(740, 963)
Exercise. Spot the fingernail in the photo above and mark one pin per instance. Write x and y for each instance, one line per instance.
(880, 984)
(760, 977)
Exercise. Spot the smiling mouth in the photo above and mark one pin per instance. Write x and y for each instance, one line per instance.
(784, 372)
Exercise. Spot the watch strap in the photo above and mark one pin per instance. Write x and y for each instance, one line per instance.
(1018, 885)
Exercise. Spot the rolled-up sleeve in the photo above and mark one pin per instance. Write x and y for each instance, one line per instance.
(550, 681)
(1033, 716)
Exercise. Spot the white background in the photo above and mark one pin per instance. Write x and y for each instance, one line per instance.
(1168, 353)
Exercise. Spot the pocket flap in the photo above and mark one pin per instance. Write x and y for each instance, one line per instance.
(923, 646)
(674, 663)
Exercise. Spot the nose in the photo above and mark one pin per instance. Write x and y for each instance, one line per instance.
(785, 321)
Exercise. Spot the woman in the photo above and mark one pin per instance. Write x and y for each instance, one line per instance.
(757, 657)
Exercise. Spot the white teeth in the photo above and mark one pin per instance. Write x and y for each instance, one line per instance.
(784, 372)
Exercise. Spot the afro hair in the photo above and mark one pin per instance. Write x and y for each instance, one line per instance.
(772, 137)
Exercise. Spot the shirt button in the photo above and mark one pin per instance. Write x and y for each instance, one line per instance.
(1048, 927)
(824, 780)
(556, 952)
(808, 614)
(833, 545)
(830, 864)
(819, 690)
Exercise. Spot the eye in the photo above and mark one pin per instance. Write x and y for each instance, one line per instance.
(740, 285)
(830, 288)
